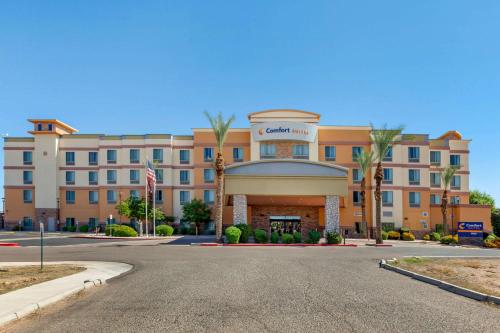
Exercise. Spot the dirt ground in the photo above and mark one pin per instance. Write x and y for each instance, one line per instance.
(481, 275)
(12, 278)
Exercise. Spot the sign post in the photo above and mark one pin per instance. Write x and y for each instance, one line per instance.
(41, 245)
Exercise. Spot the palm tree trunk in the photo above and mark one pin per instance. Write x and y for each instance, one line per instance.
(379, 175)
(444, 212)
(363, 207)
(219, 169)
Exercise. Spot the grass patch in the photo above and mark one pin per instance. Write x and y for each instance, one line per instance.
(17, 277)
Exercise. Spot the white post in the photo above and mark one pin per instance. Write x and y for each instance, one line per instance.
(154, 207)
(110, 225)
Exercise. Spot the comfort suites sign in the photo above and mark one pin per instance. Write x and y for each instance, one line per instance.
(284, 130)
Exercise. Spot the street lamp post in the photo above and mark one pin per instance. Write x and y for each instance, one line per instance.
(111, 225)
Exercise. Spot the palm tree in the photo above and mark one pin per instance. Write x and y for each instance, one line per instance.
(446, 177)
(365, 161)
(220, 128)
(382, 140)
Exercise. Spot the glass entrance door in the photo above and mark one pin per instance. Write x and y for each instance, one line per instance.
(285, 224)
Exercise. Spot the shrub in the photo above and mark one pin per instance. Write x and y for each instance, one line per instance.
(333, 238)
(245, 232)
(408, 236)
(439, 228)
(121, 231)
(492, 241)
(385, 235)
(287, 238)
(297, 237)
(71, 228)
(19, 228)
(233, 235)
(314, 237)
(436, 236)
(426, 237)
(405, 229)
(393, 235)
(164, 230)
(260, 236)
(449, 239)
(84, 228)
(275, 238)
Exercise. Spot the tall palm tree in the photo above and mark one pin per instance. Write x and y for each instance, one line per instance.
(365, 161)
(382, 140)
(220, 128)
(446, 177)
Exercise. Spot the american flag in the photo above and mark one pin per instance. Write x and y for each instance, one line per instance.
(150, 176)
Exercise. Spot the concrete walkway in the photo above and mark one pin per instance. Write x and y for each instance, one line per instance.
(21, 302)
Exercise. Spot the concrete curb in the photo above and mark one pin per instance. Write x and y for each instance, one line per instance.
(101, 272)
(10, 244)
(271, 245)
(441, 284)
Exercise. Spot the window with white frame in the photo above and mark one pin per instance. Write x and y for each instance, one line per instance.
(111, 156)
(237, 154)
(111, 196)
(357, 175)
(267, 150)
(93, 197)
(184, 177)
(70, 178)
(70, 158)
(27, 177)
(134, 176)
(435, 157)
(414, 176)
(387, 198)
(184, 156)
(184, 197)
(111, 176)
(159, 196)
(27, 196)
(435, 179)
(356, 151)
(388, 154)
(27, 157)
(388, 176)
(413, 154)
(93, 158)
(414, 199)
(330, 153)
(93, 177)
(455, 160)
(157, 155)
(435, 199)
(300, 151)
(134, 156)
(209, 196)
(208, 154)
(455, 182)
(159, 176)
(208, 175)
(70, 197)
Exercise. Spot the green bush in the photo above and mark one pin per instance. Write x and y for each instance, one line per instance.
(436, 236)
(385, 235)
(260, 236)
(426, 237)
(84, 228)
(408, 236)
(275, 238)
(121, 231)
(287, 238)
(233, 235)
(439, 228)
(333, 238)
(393, 235)
(314, 237)
(387, 227)
(245, 232)
(164, 230)
(449, 239)
(404, 229)
(297, 237)
(492, 241)
(71, 228)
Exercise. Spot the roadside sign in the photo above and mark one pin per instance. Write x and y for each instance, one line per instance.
(470, 229)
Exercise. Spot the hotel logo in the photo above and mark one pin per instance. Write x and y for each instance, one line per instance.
(284, 130)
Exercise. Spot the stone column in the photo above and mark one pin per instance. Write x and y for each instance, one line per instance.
(239, 209)
(332, 214)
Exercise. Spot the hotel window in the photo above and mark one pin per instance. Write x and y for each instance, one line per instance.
(455, 160)
(184, 177)
(414, 176)
(111, 156)
(387, 198)
(135, 156)
(388, 155)
(414, 199)
(357, 176)
(111, 176)
(208, 154)
(435, 179)
(159, 196)
(70, 158)
(267, 150)
(157, 155)
(300, 151)
(27, 177)
(134, 194)
(356, 198)
(134, 177)
(184, 156)
(70, 222)
(70, 197)
(70, 178)
(27, 157)
(435, 157)
(49, 127)
(237, 154)
(111, 196)
(184, 197)
(455, 182)
(330, 153)
(356, 151)
(455, 200)
(39, 127)
(208, 175)
(93, 177)
(93, 197)
(159, 176)
(92, 223)
(388, 177)
(209, 196)
(413, 154)
(93, 158)
(27, 196)
(435, 199)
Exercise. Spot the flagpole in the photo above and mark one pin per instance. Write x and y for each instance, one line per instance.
(154, 207)
(146, 195)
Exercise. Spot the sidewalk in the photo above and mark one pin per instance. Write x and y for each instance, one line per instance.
(21, 302)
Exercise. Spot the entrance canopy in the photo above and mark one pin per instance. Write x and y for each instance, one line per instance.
(286, 177)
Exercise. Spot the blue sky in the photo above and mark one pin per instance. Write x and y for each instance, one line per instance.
(154, 66)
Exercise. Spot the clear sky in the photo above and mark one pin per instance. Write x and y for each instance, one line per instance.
(139, 67)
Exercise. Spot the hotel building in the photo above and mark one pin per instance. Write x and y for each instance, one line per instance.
(285, 170)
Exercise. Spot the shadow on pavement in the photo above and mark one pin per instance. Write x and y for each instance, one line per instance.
(187, 240)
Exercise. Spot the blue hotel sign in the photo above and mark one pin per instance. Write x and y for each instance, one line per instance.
(470, 229)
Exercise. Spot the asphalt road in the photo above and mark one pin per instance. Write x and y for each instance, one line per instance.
(193, 289)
